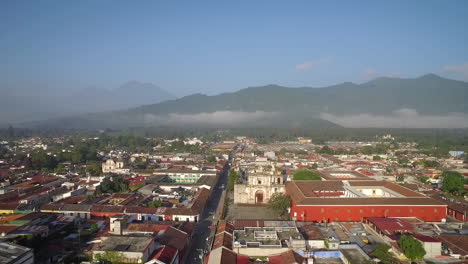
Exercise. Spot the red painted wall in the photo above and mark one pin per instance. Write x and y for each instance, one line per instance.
(456, 214)
(359, 213)
(101, 215)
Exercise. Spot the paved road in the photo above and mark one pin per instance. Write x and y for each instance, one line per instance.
(201, 235)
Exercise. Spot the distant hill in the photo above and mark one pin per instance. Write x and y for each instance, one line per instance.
(428, 96)
(24, 108)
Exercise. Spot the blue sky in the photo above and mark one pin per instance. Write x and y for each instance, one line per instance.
(217, 46)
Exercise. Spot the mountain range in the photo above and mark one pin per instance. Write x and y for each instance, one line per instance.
(47, 105)
(426, 101)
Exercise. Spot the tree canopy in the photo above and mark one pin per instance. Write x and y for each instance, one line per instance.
(412, 248)
(117, 184)
(304, 174)
(280, 203)
(233, 178)
(382, 252)
(453, 182)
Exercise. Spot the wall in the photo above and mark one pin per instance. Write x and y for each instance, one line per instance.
(433, 249)
(358, 213)
(315, 244)
(259, 252)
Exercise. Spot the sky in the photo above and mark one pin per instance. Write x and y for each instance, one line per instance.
(212, 47)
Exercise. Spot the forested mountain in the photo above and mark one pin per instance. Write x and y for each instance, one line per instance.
(273, 105)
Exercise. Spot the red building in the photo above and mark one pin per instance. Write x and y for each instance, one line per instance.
(328, 201)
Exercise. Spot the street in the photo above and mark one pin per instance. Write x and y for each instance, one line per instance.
(201, 235)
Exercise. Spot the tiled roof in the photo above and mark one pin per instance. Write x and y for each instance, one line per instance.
(223, 239)
(173, 237)
(296, 189)
(457, 243)
(107, 209)
(8, 206)
(311, 232)
(140, 210)
(76, 208)
(288, 257)
(390, 225)
(165, 254)
(154, 228)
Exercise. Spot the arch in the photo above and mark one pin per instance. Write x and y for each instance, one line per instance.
(259, 197)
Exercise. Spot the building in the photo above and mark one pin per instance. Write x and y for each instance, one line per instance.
(261, 185)
(133, 249)
(15, 254)
(267, 241)
(186, 176)
(432, 246)
(314, 237)
(328, 201)
(114, 166)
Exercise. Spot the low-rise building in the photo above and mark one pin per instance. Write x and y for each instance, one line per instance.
(132, 248)
(15, 254)
(267, 241)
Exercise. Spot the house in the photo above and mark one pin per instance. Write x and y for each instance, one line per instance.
(313, 236)
(432, 246)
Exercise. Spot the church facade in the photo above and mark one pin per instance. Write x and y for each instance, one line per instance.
(261, 185)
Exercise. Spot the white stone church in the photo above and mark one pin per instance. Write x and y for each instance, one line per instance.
(261, 185)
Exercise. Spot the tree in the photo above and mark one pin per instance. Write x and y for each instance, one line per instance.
(112, 256)
(314, 166)
(211, 158)
(135, 187)
(382, 252)
(94, 228)
(412, 248)
(94, 168)
(117, 184)
(155, 204)
(376, 158)
(304, 174)
(452, 182)
(233, 178)
(40, 160)
(279, 202)
(423, 179)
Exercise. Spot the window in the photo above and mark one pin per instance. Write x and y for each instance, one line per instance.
(322, 210)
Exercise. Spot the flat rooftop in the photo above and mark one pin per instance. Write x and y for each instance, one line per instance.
(9, 252)
(124, 244)
(265, 236)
